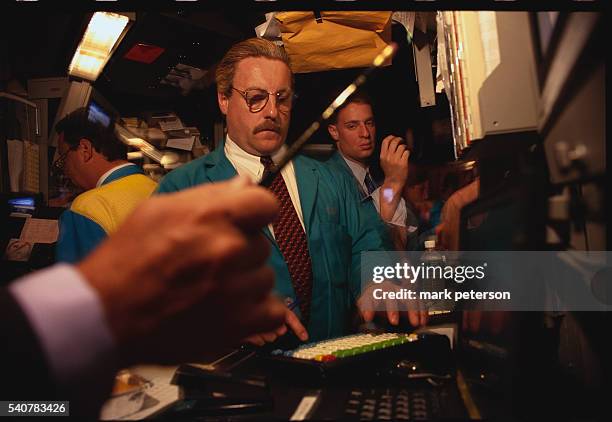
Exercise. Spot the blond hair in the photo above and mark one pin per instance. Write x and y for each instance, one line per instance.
(253, 47)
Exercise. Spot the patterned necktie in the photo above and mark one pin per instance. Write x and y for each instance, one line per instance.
(370, 184)
(292, 242)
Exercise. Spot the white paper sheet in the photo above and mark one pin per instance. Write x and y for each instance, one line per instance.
(39, 230)
(490, 41)
(159, 395)
(173, 124)
(181, 143)
(15, 161)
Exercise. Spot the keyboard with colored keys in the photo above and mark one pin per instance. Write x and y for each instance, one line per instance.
(344, 347)
(325, 357)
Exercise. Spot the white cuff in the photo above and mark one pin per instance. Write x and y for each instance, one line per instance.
(399, 217)
(68, 319)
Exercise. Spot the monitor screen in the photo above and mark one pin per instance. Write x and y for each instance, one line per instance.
(22, 204)
(98, 115)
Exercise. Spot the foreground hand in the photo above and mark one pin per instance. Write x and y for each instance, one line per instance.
(187, 273)
(369, 306)
(292, 322)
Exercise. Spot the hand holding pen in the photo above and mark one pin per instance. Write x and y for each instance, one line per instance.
(291, 321)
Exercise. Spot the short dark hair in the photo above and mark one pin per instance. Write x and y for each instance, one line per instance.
(79, 124)
(359, 97)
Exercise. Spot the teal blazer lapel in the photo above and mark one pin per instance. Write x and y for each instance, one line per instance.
(218, 167)
(307, 178)
(340, 163)
(337, 159)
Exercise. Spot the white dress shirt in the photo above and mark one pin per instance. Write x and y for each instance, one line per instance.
(250, 165)
(399, 217)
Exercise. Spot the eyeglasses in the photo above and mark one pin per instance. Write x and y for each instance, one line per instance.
(59, 164)
(256, 99)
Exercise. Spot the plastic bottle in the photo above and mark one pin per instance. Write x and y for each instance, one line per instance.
(432, 282)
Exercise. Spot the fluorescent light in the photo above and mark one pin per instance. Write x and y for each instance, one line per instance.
(95, 48)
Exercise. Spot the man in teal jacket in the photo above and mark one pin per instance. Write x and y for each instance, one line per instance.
(336, 224)
(353, 129)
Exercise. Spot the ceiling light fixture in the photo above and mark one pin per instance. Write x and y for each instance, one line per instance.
(104, 31)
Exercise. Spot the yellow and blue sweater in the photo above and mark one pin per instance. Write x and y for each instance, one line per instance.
(98, 212)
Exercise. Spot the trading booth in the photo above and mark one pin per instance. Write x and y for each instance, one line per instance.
(513, 101)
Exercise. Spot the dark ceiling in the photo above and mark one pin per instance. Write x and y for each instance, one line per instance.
(41, 45)
(195, 39)
(35, 45)
(38, 45)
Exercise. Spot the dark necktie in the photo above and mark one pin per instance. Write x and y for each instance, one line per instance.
(292, 242)
(370, 184)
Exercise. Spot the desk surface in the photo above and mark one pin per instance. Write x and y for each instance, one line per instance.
(525, 386)
(282, 391)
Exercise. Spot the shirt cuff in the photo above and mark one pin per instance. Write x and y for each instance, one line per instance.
(399, 217)
(68, 318)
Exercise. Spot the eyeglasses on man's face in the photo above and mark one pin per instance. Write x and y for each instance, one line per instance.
(256, 99)
(60, 163)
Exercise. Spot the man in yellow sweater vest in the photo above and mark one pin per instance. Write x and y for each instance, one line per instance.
(92, 157)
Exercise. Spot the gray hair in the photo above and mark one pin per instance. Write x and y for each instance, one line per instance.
(253, 47)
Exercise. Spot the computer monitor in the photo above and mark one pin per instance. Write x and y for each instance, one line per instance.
(100, 109)
(570, 58)
(97, 114)
(24, 204)
(21, 202)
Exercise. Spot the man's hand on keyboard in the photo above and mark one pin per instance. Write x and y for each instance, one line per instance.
(370, 304)
(291, 321)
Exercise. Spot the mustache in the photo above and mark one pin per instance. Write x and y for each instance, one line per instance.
(267, 125)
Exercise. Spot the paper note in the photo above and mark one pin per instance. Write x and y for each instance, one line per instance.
(15, 162)
(39, 230)
(305, 408)
(31, 167)
(181, 143)
(270, 29)
(174, 124)
(157, 395)
(490, 41)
